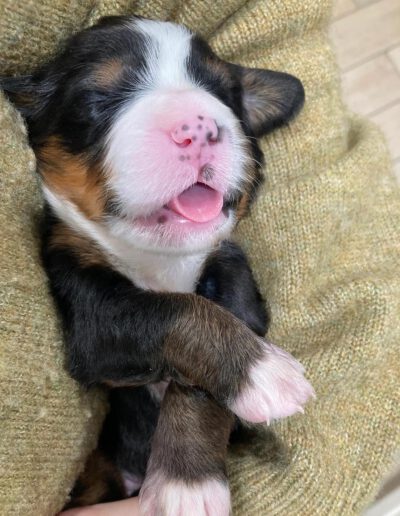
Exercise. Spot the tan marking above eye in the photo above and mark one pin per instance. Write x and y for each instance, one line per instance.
(106, 74)
(72, 177)
(221, 68)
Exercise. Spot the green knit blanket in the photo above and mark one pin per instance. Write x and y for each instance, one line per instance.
(323, 239)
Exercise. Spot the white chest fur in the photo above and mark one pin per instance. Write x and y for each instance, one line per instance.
(159, 272)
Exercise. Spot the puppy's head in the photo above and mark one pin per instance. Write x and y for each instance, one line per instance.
(140, 128)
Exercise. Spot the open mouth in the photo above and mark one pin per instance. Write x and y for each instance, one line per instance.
(198, 203)
(198, 206)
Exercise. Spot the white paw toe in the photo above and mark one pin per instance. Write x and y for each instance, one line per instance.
(276, 388)
(162, 497)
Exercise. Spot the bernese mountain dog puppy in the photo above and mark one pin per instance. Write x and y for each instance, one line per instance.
(146, 147)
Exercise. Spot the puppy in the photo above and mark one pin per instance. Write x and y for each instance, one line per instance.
(146, 146)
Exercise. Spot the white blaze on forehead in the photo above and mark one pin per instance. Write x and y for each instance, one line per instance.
(168, 49)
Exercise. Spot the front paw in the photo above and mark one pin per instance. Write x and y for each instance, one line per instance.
(160, 496)
(275, 388)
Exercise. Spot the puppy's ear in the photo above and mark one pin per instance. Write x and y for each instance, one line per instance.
(30, 94)
(20, 91)
(270, 99)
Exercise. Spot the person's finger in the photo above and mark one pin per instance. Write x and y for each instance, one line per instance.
(128, 507)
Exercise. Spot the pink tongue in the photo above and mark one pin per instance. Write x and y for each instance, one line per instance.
(199, 203)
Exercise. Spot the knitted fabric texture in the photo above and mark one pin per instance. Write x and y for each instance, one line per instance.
(323, 240)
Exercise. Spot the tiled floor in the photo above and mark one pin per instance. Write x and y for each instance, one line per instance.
(366, 34)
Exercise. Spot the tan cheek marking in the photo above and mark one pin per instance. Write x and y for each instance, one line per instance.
(243, 206)
(108, 73)
(86, 251)
(244, 203)
(71, 177)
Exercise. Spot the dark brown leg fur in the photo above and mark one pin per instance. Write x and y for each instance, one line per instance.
(189, 445)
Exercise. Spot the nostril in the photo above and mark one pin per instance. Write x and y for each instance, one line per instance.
(186, 142)
(181, 140)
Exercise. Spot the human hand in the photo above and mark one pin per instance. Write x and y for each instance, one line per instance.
(127, 507)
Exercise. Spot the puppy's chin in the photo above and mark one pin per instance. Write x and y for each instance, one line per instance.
(172, 235)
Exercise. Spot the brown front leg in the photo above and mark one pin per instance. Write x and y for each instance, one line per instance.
(186, 470)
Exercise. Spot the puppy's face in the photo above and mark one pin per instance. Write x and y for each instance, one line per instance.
(141, 128)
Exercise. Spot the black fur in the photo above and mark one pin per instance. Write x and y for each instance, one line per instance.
(60, 99)
(228, 281)
(129, 427)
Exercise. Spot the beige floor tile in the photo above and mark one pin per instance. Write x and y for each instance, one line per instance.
(389, 121)
(363, 3)
(372, 85)
(342, 7)
(392, 480)
(395, 57)
(366, 32)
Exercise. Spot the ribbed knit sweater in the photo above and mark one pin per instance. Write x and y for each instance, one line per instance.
(323, 240)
